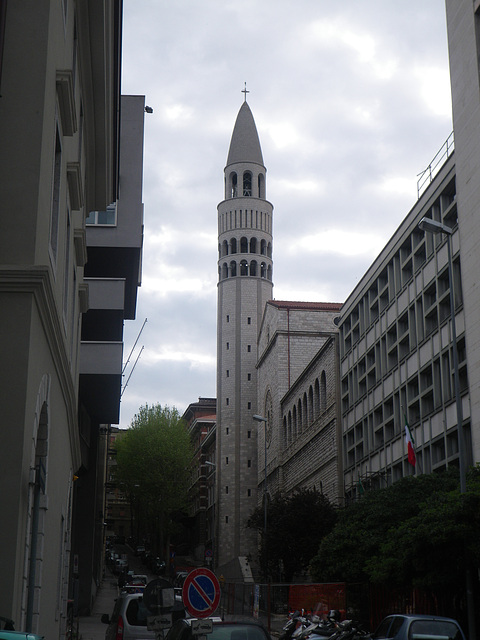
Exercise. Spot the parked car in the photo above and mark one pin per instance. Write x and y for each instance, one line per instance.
(222, 630)
(414, 627)
(129, 619)
(139, 550)
(130, 616)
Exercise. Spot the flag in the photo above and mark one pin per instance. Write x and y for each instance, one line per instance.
(412, 458)
(360, 488)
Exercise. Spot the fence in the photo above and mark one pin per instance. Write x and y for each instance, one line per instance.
(363, 603)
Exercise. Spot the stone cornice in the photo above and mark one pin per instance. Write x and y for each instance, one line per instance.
(37, 281)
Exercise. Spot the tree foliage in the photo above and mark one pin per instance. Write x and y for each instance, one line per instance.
(420, 532)
(295, 526)
(154, 458)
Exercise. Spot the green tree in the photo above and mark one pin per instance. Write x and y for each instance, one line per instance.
(154, 461)
(419, 532)
(295, 526)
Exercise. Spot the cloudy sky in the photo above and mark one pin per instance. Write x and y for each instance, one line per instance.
(351, 100)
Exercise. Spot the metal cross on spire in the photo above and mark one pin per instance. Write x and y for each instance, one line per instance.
(245, 91)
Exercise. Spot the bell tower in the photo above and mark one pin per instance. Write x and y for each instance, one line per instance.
(244, 286)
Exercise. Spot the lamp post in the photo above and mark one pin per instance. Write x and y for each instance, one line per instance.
(258, 418)
(432, 226)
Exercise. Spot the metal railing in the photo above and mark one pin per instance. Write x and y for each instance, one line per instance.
(426, 176)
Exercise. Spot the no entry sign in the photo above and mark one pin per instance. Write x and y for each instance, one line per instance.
(201, 593)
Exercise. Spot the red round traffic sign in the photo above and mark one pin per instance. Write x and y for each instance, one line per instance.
(201, 593)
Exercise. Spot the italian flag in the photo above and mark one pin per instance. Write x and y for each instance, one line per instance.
(410, 444)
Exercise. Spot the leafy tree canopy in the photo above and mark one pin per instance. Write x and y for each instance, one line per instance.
(154, 458)
(295, 526)
(419, 532)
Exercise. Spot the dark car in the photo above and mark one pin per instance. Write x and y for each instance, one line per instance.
(418, 627)
(222, 630)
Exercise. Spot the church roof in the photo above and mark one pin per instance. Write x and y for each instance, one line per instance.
(313, 306)
(245, 144)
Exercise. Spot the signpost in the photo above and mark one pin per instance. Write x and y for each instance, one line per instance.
(201, 593)
(159, 599)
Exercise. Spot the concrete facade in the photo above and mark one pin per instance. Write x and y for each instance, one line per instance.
(244, 286)
(59, 160)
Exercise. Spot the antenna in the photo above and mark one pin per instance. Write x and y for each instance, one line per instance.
(133, 369)
(130, 354)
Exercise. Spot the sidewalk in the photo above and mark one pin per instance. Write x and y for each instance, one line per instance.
(91, 627)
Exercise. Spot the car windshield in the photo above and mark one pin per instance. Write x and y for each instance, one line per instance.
(137, 613)
(434, 630)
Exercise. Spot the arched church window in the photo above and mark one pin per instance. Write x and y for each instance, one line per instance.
(269, 249)
(247, 183)
(243, 268)
(233, 185)
(294, 422)
(289, 435)
(316, 408)
(269, 272)
(219, 272)
(233, 245)
(261, 185)
(225, 248)
(323, 392)
(285, 440)
(219, 250)
(224, 270)
(243, 245)
(300, 416)
(263, 270)
(253, 268)
(263, 247)
(305, 410)
(233, 268)
(310, 404)
(253, 245)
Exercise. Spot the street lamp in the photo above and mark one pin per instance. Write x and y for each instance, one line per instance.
(432, 226)
(258, 418)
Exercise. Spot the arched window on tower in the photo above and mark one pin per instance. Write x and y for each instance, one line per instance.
(269, 272)
(224, 248)
(253, 268)
(233, 185)
(219, 272)
(233, 245)
(243, 245)
(269, 249)
(253, 245)
(243, 268)
(261, 185)
(263, 247)
(263, 270)
(247, 183)
(224, 271)
(300, 416)
(233, 268)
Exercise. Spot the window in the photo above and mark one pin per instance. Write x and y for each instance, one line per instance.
(227, 401)
(226, 489)
(249, 348)
(55, 214)
(249, 434)
(249, 405)
(228, 346)
(226, 460)
(228, 373)
(228, 318)
(247, 183)
(249, 463)
(249, 321)
(249, 376)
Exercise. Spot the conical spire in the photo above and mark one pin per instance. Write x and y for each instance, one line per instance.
(245, 145)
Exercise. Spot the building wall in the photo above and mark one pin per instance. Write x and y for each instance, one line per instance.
(46, 152)
(463, 38)
(395, 348)
(293, 345)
